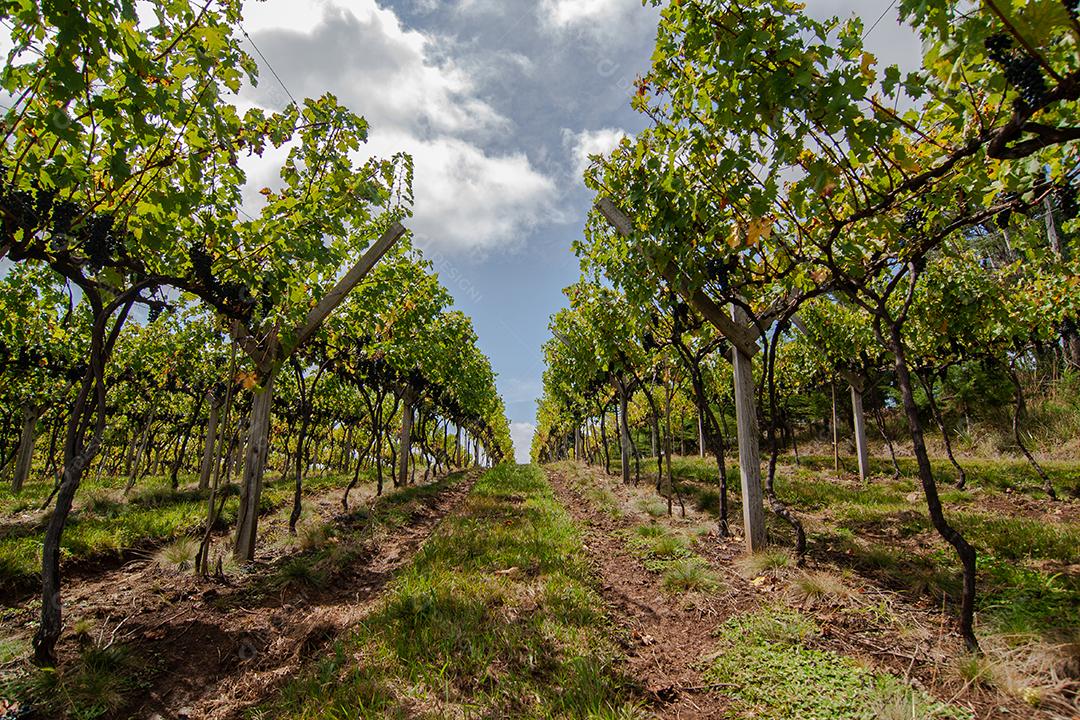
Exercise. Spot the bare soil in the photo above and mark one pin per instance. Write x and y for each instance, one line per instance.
(670, 635)
(212, 648)
(666, 639)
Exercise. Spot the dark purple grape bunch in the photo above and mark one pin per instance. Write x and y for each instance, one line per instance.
(1021, 70)
(234, 297)
(1065, 198)
(1002, 218)
(914, 222)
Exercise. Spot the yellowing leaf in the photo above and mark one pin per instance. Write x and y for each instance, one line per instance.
(868, 63)
(759, 229)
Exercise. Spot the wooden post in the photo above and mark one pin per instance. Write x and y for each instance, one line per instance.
(25, 455)
(209, 445)
(743, 337)
(405, 445)
(701, 433)
(268, 354)
(624, 433)
(835, 433)
(749, 452)
(860, 433)
(247, 523)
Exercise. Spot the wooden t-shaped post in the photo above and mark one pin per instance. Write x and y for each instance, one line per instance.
(743, 338)
(858, 387)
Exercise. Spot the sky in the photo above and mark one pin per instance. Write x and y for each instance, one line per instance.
(500, 102)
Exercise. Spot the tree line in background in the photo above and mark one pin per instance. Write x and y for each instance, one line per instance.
(799, 223)
(149, 325)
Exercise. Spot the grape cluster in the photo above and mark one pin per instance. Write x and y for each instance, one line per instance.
(1003, 217)
(914, 222)
(719, 272)
(998, 47)
(101, 243)
(1065, 196)
(67, 224)
(232, 297)
(1022, 71)
(648, 341)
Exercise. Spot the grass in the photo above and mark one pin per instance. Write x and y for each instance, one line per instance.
(104, 523)
(657, 546)
(99, 683)
(312, 535)
(604, 500)
(816, 586)
(178, 555)
(1021, 538)
(975, 669)
(882, 530)
(770, 561)
(12, 648)
(1023, 603)
(652, 507)
(1000, 474)
(496, 617)
(769, 668)
(689, 574)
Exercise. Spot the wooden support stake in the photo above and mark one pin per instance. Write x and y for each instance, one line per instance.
(860, 433)
(701, 433)
(749, 456)
(743, 338)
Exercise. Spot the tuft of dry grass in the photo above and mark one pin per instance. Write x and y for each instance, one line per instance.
(313, 535)
(816, 586)
(771, 561)
(177, 555)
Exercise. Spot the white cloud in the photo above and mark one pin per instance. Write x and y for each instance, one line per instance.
(892, 42)
(417, 101)
(522, 435)
(467, 198)
(564, 13)
(520, 390)
(590, 142)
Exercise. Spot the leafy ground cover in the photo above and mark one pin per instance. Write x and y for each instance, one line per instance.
(218, 645)
(496, 617)
(870, 600)
(106, 523)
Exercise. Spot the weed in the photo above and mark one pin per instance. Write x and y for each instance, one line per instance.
(770, 561)
(653, 507)
(975, 669)
(668, 547)
(313, 535)
(650, 531)
(12, 648)
(177, 555)
(769, 671)
(817, 586)
(689, 574)
(604, 500)
(297, 574)
(1026, 603)
(100, 682)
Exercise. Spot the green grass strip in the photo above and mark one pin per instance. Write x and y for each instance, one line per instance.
(767, 668)
(495, 617)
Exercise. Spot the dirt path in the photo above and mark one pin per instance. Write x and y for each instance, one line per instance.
(211, 649)
(665, 639)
